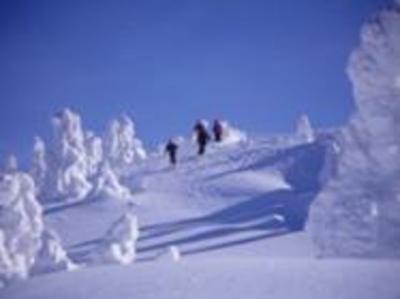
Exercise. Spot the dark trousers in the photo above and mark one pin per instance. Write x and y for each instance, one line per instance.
(172, 157)
(202, 148)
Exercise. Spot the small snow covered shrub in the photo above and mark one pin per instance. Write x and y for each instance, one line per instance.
(358, 213)
(232, 135)
(21, 226)
(119, 243)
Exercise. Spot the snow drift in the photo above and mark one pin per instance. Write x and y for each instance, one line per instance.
(119, 244)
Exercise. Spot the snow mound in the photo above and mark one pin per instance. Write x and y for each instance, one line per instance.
(52, 256)
(119, 244)
(232, 135)
(172, 253)
(358, 213)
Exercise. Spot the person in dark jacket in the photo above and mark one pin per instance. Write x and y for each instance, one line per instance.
(172, 148)
(202, 137)
(217, 130)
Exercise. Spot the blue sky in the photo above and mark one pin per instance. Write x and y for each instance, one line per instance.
(257, 63)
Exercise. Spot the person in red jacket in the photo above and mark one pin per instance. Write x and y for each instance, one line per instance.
(217, 130)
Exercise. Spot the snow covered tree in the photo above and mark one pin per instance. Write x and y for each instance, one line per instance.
(69, 163)
(38, 169)
(21, 226)
(94, 152)
(358, 213)
(119, 243)
(304, 130)
(122, 148)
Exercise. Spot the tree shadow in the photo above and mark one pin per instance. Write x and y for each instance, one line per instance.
(67, 205)
(239, 218)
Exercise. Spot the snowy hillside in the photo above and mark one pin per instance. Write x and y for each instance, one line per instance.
(225, 223)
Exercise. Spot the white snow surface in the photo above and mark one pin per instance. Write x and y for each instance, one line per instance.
(209, 228)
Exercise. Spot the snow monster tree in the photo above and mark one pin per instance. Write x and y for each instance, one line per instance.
(358, 213)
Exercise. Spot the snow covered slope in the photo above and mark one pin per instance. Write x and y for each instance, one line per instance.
(223, 224)
(233, 194)
(232, 214)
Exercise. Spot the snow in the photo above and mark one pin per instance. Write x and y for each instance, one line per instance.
(231, 135)
(51, 256)
(304, 130)
(107, 184)
(68, 168)
(21, 226)
(367, 175)
(38, 169)
(119, 243)
(221, 278)
(122, 148)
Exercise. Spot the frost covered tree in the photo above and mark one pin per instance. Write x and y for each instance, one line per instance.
(122, 148)
(38, 169)
(358, 213)
(94, 153)
(304, 130)
(119, 243)
(21, 226)
(69, 163)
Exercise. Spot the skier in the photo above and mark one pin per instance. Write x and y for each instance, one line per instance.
(202, 136)
(171, 148)
(217, 130)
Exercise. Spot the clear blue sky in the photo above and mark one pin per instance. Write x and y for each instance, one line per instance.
(258, 63)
